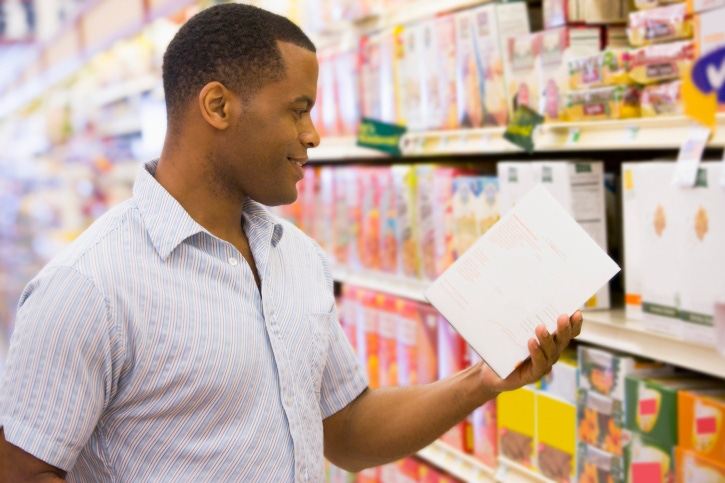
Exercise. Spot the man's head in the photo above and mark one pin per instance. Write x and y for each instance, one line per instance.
(234, 44)
(240, 83)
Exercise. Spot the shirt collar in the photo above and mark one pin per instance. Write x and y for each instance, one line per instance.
(168, 224)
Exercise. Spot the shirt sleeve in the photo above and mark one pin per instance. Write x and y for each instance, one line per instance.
(59, 373)
(343, 378)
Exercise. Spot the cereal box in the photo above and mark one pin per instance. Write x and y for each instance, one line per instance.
(516, 422)
(388, 222)
(597, 466)
(445, 39)
(369, 238)
(388, 328)
(647, 460)
(407, 341)
(691, 467)
(453, 357)
(555, 438)
(700, 422)
(600, 420)
(368, 338)
(426, 221)
(427, 330)
(404, 182)
(522, 78)
(630, 216)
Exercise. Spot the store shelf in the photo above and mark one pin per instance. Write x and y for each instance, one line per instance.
(471, 470)
(343, 149)
(124, 90)
(462, 141)
(458, 464)
(605, 328)
(120, 127)
(610, 328)
(382, 282)
(404, 14)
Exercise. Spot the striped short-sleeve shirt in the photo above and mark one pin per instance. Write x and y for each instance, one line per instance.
(145, 352)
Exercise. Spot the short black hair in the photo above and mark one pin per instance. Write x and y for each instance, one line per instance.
(232, 43)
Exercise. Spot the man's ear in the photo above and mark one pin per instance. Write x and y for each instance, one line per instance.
(216, 105)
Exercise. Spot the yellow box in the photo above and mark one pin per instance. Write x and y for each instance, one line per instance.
(516, 412)
(556, 445)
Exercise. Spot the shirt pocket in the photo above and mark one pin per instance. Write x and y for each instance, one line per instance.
(317, 350)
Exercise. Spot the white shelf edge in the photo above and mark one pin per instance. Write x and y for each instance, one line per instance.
(459, 464)
(342, 149)
(604, 328)
(404, 14)
(510, 471)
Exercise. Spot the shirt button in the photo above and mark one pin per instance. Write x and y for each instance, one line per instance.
(233, 261)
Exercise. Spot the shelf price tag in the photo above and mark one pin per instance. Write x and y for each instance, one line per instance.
(574, 135)
(502, 472)
(631, 134)
(688, 160)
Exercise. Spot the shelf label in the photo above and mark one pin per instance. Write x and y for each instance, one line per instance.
(381, 136)
(520, 130)
(574, 135)
(688, 161)
(631, 134)
(502, 472)
(486, 142)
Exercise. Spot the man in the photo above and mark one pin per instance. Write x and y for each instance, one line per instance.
(188, 335)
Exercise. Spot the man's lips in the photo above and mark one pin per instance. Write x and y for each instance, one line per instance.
(299, 161)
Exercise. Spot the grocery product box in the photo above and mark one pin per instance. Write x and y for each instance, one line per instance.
(522, 77)
(556, 439)
(406, 349)
(475, 209)
(579, 187)
(661, 62)
(702, 275)
(412, 78)
(370, 76)
(700, 422)
(600, 420)
(662, 100)
(349, 309)
(370, 475)
(515, 180)
(389, 249)
(597, 466)
(562, 381)
(709, 30)
(404, 184)
(648, 460)
(615, 37)
(347, 78)
(485, 436)
(658, 25)
(604, 372)
(368, 335)
(606, 68)
(388, 333)
(370, 193)
(556, 48)
(603, 103)
(691, 467)
(660, 234)
(348, 218)
(426, 219)
(428, 319)
(444, 115)
(453, 357)
(408, 470)
(651, 404)
(516, 420)
(604, 11)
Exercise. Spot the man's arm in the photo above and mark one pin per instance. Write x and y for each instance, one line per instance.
(386, 424)
(18, 466)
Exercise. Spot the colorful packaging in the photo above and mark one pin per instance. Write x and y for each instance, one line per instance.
(600, 420)
(453, 357)
(648, 461)
(330, 113)
(347, 78)
(691, 467)
(428, 320)
(390, 66)
(370, 77)
(601, 103)
(342, 228)
(445, 40)
(662, 100)
(597, 466)
(404, 184)
(485, 440)
(515, 412)
(561, 382)
(700, 422)
(406, 348)
(369, 475)
(408, 470)
(604, 69)
(469, 73)
(388, 222)
(388, 327)
(659, 25)
(326, 204)
(369, 238)
(466, 193)
(556, 441)
(710, 33)
(604, 11)
(349, 310)
(413, 77)
(702, 277)
(557, 48)
(432, 110)
(445, 251)
(661, 62)
(646, 4)
(522, 77)
(425, 214)
(604, 372)
(555, 13)
(368, 337)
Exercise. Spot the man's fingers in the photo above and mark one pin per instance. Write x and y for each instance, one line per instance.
(547, 344)
(576, 323)
(563, 332)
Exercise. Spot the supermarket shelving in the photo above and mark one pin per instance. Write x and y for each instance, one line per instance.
(343, 149)
(471, 470)
(606, 328)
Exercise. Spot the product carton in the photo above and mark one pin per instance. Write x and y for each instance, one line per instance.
(444, 115)
(349, 310)
(691, 467)
(702, 277)
(326, 204)
(605, 11)
(370, 192)
(408, 470)
(660, 240)
(700, 422)
(350, 242)
(648, 460)
(557, 48)
(368, 336)
(389, 253)
(600, 420)
(388, 327)
(390, 66)
(404, 183)
(453, 357)
(515, 179)
(485, 440)
(597, 466)
(555, 438)
(407, 341)
(347, 78)
(652, 405)
(370, 77)
(426, 219)
(522, 79)
(604, 372)
(561, 382)
(632, 250)
(516, 420)
(330, 113)
(413, 77)
(475, 209)
(579, 187)
(710, 34)
(428, 320)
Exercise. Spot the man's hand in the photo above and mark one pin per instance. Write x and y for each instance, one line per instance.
(544, 351)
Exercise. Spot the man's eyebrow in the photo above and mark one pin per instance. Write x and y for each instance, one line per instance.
(306, 99)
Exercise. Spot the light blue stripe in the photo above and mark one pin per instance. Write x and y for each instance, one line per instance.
(142, 354)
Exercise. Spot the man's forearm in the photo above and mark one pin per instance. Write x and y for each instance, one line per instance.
(386, 424)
